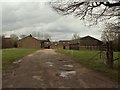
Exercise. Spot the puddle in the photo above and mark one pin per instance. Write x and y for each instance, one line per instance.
(68, 66)
(50, 64)
(16, 62)
(67, 74)
(37, 78)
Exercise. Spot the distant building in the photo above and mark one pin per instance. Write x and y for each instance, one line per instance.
(64, 43)
(90, 41)
(86, 42)
(8, 43)
(75, 44)
(29, 42)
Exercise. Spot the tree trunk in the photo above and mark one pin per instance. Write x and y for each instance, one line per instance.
(109, 54)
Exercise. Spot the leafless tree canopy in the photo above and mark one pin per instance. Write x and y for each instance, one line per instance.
(111, 31)
(75, 36)
(14, 36)
(87, 10)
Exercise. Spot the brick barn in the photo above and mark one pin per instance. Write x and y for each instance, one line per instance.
(29, 42)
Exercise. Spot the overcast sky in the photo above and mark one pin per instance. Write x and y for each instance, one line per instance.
(24, 17)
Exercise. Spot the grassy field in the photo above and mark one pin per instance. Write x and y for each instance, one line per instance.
(11, 55)
(91, 59)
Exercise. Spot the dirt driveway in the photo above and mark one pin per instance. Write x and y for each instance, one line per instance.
(48, 69)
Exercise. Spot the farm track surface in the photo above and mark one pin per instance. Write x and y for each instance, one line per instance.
(48, 69)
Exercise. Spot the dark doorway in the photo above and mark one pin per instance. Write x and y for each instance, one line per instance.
(15, 45)
(63, 47)
(48, 47)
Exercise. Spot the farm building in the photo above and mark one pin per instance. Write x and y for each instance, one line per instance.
(86, 42)
(64, 44)
(75, 44)
(29, 42)
(8, 43)
(91, 43)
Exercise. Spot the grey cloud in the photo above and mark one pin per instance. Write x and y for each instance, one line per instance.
(26, 17)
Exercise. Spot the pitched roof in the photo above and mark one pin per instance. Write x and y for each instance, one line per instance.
(89, 37)
(28, 36)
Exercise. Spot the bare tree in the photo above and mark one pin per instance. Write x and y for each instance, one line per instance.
(91, 10)
(109, 34)
(111, 37)
(41, 35)
(37, 34)
(75, 36)
(47, 36)
(14, 36)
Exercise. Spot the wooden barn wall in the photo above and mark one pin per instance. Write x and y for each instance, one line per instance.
(29, 42)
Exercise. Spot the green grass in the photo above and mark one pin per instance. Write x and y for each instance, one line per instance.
(91, 59)
(11, 55)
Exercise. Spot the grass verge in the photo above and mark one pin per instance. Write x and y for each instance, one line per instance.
(91, 59)
(11, 55)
